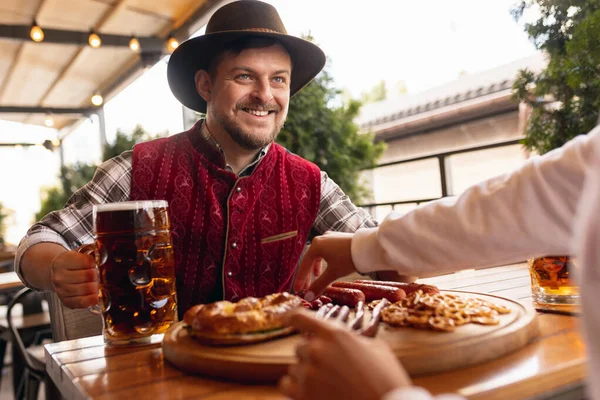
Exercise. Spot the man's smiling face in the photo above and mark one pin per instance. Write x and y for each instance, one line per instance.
(250, 94)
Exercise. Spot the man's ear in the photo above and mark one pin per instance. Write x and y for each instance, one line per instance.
(203, 84)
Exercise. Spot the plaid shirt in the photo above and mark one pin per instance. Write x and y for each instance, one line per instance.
(72, 226)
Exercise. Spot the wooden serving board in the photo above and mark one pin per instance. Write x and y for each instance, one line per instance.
(420, 351)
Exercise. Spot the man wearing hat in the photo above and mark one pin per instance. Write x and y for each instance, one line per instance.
(241, 206)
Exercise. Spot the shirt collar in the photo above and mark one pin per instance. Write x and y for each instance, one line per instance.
(245, 171)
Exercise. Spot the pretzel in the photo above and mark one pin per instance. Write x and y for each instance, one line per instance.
(441, 312)
(250, 320)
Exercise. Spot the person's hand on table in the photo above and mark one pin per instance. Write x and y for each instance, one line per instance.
(333, 247)
(336, 363)
(75, 279)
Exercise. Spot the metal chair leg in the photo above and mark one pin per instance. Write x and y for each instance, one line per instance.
(20, 372)
(32, 387)
(19, 385)
(2, 354)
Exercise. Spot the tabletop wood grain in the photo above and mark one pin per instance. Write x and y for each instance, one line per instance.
(6, 254)
(9, 281)
(86, 369)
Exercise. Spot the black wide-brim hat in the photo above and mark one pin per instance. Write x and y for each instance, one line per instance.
(231, 22)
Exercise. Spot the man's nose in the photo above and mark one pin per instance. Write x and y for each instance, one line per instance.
(262, 92)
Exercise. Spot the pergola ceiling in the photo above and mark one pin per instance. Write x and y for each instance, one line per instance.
(61, 73)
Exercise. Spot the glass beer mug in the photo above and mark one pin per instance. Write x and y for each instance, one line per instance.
(552, 280)
(134, 256)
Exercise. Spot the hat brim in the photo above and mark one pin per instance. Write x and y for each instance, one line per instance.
(195, 54)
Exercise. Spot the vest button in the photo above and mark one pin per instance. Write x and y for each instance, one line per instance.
(229, 274)
(234, 245)
(238, 189)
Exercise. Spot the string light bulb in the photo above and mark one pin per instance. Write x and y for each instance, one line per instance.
(97, 99)
(172, 43)
(49, 121)
(94, 40)
(36, 33)
(134, 44)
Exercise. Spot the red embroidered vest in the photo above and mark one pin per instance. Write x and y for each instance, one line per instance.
(245, 234)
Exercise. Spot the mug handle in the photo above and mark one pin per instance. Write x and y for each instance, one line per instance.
(90, 250)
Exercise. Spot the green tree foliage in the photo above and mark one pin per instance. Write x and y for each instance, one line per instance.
(327, 135)
(124, 142)
(377, 93)
(565, 96)
(3, 216)
(73, 177)
(53, 198)
(400, 88)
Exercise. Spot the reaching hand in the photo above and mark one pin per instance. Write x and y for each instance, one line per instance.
(337, 363)
(334, 248)
(75, 279)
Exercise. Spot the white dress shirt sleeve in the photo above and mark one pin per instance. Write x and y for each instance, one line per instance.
(587, 248)
(418, 393)
(510, 218)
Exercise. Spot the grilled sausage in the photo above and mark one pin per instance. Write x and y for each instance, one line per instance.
(306, 304)
(343, 296)
(373, 291)
(316, 304)
(407, 287)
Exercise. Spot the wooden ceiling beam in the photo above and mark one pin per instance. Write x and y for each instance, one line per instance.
(60, 36)
(194, 20)
(17, 56)
(119, 5)
(19, 144)
(46, 110)
(181, 29)
(10, 71)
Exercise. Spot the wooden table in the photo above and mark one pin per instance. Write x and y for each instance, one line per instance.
(7, 258)
(9, 282)
(552, 364)
(7, 254)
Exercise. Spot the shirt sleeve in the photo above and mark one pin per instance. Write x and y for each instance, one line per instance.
(418, 393)
(587, 249)
(71, 226)
(337, 212)
(510, 218)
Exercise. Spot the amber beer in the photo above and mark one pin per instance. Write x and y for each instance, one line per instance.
(135, 259)
(552, 280)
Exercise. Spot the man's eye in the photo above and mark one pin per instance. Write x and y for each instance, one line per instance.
(279, 79)
(243, 76)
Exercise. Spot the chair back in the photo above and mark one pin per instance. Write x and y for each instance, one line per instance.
(68, 324)
(17, 341)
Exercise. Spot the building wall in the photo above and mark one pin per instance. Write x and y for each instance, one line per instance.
(476, 133)
(421, 179)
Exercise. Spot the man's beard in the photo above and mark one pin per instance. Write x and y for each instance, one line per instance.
(244, 138)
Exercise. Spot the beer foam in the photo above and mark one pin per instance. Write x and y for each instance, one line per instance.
(131, 205)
